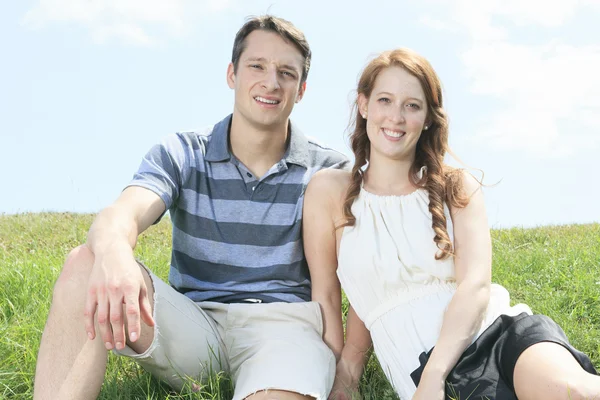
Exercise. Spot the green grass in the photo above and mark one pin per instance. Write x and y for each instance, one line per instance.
(553, 269)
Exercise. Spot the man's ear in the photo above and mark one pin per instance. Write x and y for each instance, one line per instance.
(362, 104)
(301, 92)
(231, 76)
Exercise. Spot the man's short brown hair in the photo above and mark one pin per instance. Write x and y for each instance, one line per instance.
(280, 26)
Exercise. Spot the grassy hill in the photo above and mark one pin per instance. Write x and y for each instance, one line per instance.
(553, 269)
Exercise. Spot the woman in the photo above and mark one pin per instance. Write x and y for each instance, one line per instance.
(408, 238)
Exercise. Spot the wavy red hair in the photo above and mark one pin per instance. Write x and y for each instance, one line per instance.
(443, 183)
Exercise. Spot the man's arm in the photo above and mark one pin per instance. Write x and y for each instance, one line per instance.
(116, 279)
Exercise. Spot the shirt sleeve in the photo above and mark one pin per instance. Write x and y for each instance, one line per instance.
(163, 169)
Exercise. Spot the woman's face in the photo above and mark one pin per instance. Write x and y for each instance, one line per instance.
(396, 114)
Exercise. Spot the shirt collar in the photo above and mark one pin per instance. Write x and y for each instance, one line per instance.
(297, 151)
(218, 146)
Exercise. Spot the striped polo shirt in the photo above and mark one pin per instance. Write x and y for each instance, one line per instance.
(236, 236)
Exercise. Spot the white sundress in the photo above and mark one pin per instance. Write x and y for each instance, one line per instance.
(388, 270)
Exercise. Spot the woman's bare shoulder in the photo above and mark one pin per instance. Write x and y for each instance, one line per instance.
(330, 182)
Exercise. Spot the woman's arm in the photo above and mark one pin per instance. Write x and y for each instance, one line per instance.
(473, 262)
(320, 250)
(355, 354)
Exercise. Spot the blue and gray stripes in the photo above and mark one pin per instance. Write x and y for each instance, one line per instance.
(235, 236)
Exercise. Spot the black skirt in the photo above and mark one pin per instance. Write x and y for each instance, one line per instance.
(485, 370)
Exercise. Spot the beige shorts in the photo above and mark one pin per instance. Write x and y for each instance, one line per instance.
(263, 346)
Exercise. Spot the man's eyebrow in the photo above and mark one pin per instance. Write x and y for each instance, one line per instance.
(262, 59)
(290, 67)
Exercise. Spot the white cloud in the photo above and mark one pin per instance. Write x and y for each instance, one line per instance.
(128, 33)
(540, 12)
(435, 23)
(137, 22)
(549, 92)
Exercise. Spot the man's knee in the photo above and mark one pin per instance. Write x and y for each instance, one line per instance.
(75, 274)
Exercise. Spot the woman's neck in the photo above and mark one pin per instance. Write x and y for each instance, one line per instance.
(385, 176)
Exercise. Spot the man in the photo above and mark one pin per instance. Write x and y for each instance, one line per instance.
(240, 288)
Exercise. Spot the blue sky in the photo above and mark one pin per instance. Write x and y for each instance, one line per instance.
(87, 87)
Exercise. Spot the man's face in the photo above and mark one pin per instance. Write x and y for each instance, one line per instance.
(267, 80)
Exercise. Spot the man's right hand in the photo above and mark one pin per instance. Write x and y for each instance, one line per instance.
(116, 292)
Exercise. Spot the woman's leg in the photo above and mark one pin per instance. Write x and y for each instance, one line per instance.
(549, 371)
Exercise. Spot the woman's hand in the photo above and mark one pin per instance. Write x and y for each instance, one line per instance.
(345, 386)
(430, 389)
(342, 391)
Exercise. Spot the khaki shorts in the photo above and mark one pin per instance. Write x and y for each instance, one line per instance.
(263, 346)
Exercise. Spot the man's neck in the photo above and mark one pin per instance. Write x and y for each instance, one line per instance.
(257, 148)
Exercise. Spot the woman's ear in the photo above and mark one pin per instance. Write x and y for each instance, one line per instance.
(362, 105)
